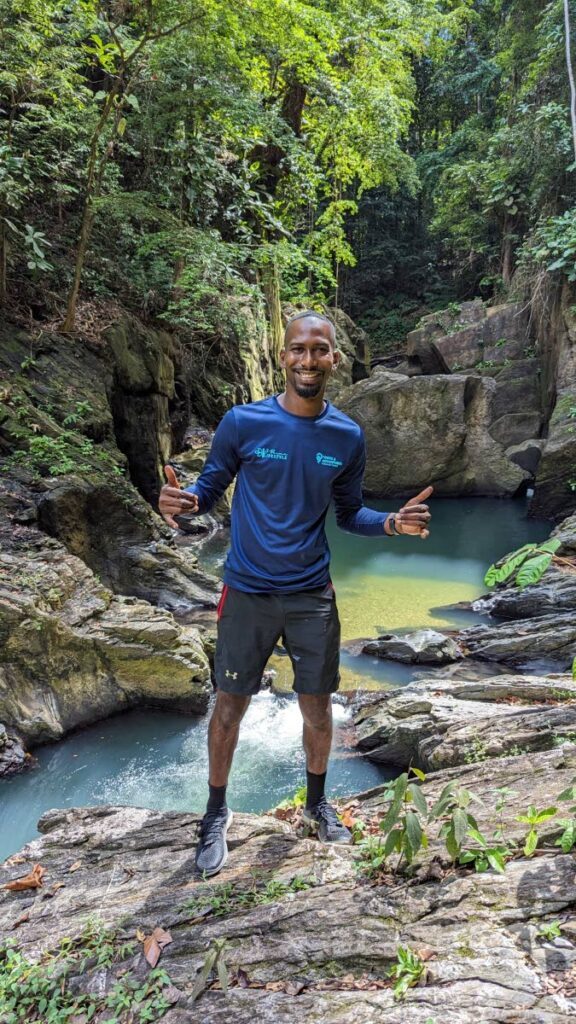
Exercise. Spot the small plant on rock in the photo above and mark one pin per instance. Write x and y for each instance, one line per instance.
(485, 854)
(567, 841)
(533, 817)
(402, 824)
(550, 931)
(406, 972)
(453, 804)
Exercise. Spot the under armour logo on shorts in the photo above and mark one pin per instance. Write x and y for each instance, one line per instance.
(232, 675)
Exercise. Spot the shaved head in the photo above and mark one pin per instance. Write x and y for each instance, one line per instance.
(311, 314)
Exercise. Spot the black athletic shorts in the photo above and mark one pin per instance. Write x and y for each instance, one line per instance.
(250, 625)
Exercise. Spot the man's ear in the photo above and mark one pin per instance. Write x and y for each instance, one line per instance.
(337, 355)
(283, 358)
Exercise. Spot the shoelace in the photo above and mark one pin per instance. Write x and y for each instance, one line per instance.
(211, 828)
(328, 813)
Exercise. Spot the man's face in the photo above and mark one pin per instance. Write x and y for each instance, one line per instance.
(308, 357)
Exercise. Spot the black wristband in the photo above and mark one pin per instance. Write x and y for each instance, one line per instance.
(392, 520)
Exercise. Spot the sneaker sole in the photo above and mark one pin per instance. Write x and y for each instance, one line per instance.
(214, 871)
(313, 825)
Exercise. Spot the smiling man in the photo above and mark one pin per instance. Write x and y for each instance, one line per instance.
(292, 454)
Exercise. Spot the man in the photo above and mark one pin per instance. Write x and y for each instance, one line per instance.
(291, 454)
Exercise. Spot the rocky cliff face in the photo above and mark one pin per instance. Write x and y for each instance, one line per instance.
(467, 409)
(71, 651)
(431, 430)
(555, 328)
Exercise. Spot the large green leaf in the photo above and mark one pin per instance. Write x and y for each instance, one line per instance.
(418, 798)
(532, 570)
(531, 842)
(500, 571)
(460, 819)
(413, 831)
(496, 861)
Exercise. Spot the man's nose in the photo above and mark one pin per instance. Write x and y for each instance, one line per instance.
(308, 358)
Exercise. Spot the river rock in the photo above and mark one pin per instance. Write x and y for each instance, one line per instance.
(12, 754)
(72, 652)
(430, 429)
(555, 592)
(120, 538)
(547, 636)
(437, 724)
(425, 646)
(323, 954)
(566, 533)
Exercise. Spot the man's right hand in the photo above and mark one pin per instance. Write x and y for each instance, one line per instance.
(173, 501)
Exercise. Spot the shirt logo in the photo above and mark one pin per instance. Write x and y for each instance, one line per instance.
(270, 453)
(327, 460)
(231, 675)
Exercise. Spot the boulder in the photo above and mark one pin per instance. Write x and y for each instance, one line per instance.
(430, 430)
(555, 488)
(424, 647)
(566, 532)
(438, 724)
(109, 526)
(551, 637)
(515, 427)
(470, 334)
(13, 757)
(71, 652)
(323, 953)
(527, 454)
(555, 593)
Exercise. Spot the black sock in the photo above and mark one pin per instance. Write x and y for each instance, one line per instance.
(217, 798)
(314, 788)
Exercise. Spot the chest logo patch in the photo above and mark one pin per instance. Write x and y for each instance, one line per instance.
(328, 460)
(271, 453)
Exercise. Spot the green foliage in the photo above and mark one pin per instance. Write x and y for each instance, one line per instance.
(69, 452)
(404, 825)
(550, 930)
(298, 799)
(485, 853)
(534, 817)
(531, 561)
(553, 245)
(46, 992)
(81, 410)
(406, 972)
(228, 898)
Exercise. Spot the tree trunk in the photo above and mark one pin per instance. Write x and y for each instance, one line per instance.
(3, 262)
(271, 289)
(506, 256)
(570, 73)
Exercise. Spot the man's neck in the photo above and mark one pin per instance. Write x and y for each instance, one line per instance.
(301, 406)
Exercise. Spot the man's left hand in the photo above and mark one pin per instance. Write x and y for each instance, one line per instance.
(414, 516)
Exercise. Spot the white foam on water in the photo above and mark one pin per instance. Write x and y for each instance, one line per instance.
(269, 758)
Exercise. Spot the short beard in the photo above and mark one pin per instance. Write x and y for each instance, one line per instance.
(308, 390)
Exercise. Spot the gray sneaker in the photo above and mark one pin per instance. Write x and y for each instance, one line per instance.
(324, 819)
(212, 850)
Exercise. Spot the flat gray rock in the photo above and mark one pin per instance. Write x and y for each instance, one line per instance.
(440, 723)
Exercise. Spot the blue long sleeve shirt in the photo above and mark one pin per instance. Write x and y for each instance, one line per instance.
(288, 469)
